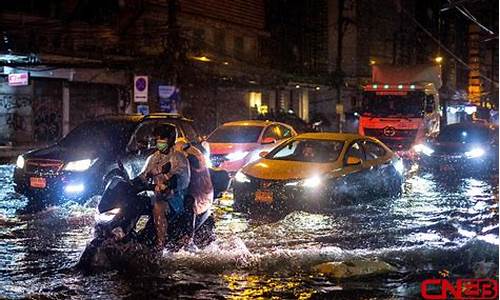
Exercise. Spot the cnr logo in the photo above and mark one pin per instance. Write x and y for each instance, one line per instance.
(437, 289)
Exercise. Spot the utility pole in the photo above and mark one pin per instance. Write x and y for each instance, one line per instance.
(339, 74)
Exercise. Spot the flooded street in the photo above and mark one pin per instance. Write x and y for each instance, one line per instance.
(438, 227)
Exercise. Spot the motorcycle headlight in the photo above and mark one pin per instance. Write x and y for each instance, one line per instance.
(240, 177)
(236, 155)
(421, 148)
(20, 162)
(79, 165)
(107, 216)
(474, 153)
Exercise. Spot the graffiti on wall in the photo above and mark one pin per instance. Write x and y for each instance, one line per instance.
(47, 119)
(15, 118)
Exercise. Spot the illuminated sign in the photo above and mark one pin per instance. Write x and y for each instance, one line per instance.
(19, 79)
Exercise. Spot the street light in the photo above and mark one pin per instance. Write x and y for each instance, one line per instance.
(438, 59)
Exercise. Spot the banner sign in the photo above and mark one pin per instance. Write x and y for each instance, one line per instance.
(169, 98)
(19, 79)
(141, 89)
(143, 109)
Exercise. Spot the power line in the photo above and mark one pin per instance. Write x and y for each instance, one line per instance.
(468, 14)
(444, 47)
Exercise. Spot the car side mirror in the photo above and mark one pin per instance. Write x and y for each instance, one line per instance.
(263, 154)
(268, 140)
(352, 161)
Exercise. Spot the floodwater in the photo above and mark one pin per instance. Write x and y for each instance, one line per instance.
(439, 227)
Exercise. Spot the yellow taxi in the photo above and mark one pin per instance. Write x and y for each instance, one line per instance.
(318, 170)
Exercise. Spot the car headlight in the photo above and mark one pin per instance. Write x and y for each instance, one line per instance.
(79, 165)
(107, 216)
(240, 177)
(20, 162)
(236, 155)
(311, 182)
(421, 148)
(474, 153)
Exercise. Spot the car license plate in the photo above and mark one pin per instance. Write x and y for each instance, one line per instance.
(264, 196)
(38, 182)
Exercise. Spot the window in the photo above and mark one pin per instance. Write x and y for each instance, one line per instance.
(318, 151)
(355, 150)
(236, 134)
(220, 41)
(190, 132)
(373, 151)
(274, 132)
(285, 131)
(143, 137)
(238, 45)
(255, 100)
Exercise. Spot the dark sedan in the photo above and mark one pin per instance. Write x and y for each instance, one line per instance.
(79, 165)
(461, 147)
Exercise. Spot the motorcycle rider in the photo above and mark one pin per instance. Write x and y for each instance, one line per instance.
(170, 185)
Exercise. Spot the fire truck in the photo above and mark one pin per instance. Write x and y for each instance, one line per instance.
(400, 106)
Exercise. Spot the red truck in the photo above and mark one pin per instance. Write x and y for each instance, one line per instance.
(400, 106)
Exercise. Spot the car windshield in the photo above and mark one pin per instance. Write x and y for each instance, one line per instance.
(408, 105)
(464, 134)
(306, 150)
(103, 134)
(236, 134)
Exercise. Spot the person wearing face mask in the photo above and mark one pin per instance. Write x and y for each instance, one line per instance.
(170, 182)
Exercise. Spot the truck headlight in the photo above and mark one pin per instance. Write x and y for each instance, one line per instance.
(236, 155)
(474, 153)
(79, 165)
(240, 177)
(20, 162)
(421, 148)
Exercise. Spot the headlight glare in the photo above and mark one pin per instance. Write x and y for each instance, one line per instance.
(399, 166)
(421, 148)
(474, 153)
(236, 155)
(311, 182)
(20, 162)
(240, 177)
(79, 165)
(107, 216)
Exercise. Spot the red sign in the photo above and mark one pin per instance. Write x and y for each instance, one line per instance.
(19, 79)
(437, 289)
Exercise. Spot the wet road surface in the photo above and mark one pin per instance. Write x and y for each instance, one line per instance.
(439, 227)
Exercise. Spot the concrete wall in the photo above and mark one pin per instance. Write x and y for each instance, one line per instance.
(16, 114)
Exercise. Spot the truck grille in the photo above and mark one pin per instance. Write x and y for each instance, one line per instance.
(398, 133)
(43, 166)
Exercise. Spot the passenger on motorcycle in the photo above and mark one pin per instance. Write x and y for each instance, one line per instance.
(200, 192)
(170, 185)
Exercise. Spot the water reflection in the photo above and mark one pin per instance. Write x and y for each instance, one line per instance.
(438, 223)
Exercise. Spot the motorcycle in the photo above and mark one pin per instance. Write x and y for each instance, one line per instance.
(125, 221)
